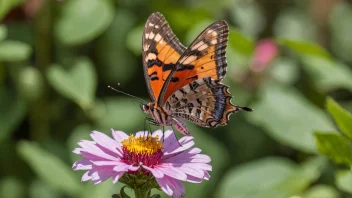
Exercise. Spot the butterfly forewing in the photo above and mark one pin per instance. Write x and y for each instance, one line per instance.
(205, 57)
(161, 50)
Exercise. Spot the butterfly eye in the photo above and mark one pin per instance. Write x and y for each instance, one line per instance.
(145, 108)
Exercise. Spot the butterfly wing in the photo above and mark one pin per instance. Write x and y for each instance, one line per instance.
(161, 50)
(205, 102)
(204, 58)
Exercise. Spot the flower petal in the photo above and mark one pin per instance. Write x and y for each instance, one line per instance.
(83, 164)
(106, 142)
(156, 173)
(107, 163)
(117, 177)
(91, 148)
(141, 133)
(119, 136)
(86, 176)
(101, 174)
(121, 167)
(171, 187)
(158, 133)
(172, 172)
(133, 168)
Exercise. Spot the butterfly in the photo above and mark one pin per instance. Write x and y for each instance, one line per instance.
(186, 83)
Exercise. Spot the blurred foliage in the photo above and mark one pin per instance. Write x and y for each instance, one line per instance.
(58, 57)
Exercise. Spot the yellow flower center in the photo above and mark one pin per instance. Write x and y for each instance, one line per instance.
(142, 145)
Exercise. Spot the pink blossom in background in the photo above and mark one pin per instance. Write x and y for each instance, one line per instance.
(265, 51)
(167, 161)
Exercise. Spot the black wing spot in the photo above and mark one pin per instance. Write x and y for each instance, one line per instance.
(174, 79)
(154, 78)
(195, 77)
(185, 67)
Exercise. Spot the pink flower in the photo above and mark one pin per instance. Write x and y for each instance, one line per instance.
(167, 162)
(265, 51)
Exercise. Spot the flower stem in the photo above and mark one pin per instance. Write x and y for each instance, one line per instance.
(139, 193)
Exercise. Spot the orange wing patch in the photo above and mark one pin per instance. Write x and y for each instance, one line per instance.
(161, 50)
(204, 58)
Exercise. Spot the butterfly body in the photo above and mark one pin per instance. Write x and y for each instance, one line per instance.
(186, 83)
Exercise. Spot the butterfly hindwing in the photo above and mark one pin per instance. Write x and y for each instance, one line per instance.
(205, 102)
(205, 57)
(161, 50)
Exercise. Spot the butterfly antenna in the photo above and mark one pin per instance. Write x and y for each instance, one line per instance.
(140, 99)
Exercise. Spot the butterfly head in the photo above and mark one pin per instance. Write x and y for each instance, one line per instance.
(147, 108)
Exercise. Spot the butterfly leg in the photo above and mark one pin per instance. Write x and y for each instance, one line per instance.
(173, 131)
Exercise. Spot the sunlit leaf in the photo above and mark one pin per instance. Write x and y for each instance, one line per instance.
(3, 32)
(288, 117)
(11, 187)
(305, 48)
(14, 51)
(7, 5)
(49, 168)
(320, 191)
(328, 75)
(335, 146)
(342, 117)
(77, 25)
(77, 84)
(265, 178)
(14, 109)
(344, 180)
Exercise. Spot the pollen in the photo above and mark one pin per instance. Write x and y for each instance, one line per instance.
(142, 145)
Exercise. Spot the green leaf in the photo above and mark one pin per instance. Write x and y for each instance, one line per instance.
(3, 32)
(288, 117)
(123, 194)
(11, 187)
(340, 30)
(320, 191)
(328, 75)
(78, 25)
(30, 83)
(220, 159)
(112, 53)
(265, 178)
(335, 146)
(284, 70)
(78, 84)
(305, 48)
(134, 40)
(240, 42)
(40, 189)
(80, 132)
(7, 5)
(121, 114)
(14, 109)
(342, 117)
(105, 189)
(49, 168)
(13, 51)
(344, 180)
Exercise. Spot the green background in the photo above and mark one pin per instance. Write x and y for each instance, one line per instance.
(58, 57)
